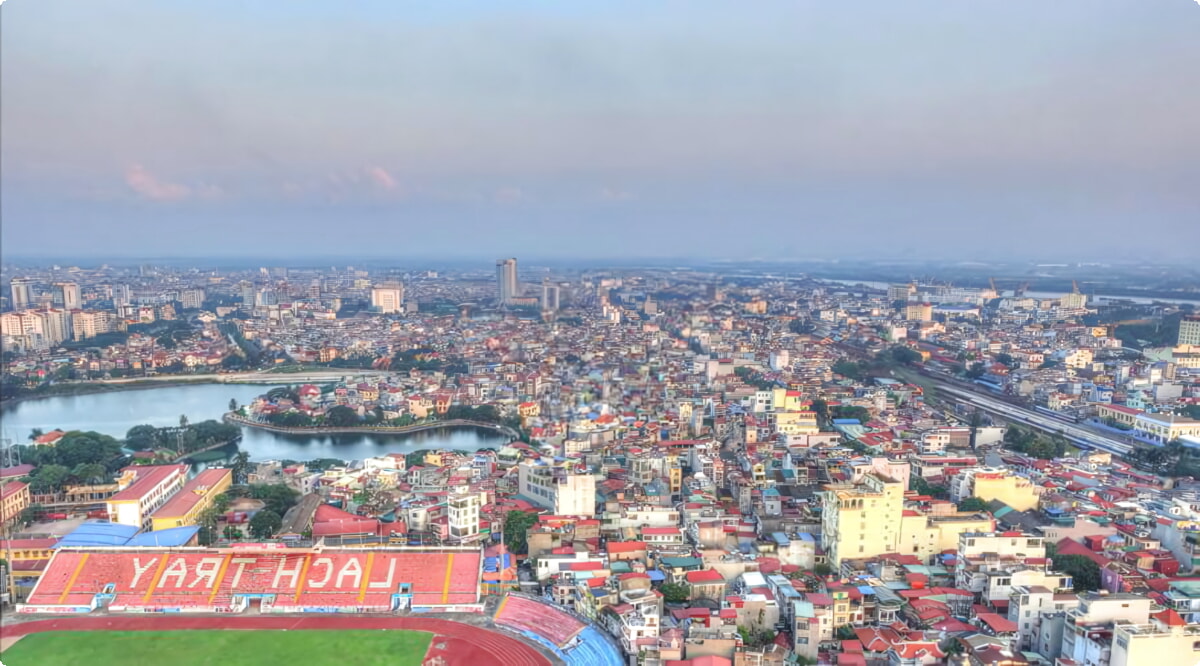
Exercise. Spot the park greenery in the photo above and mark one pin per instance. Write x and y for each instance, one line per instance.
(79, 458)
(1035, 445)
(185, 438)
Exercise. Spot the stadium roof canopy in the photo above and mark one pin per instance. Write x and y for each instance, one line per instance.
(170, 538)
(98, 533)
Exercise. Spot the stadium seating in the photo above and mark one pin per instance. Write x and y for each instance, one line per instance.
(195, 579)
(545, 620)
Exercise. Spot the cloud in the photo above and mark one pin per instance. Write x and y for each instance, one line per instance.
(509, 195)
(614, 194)
(381, 178)
(149, 186)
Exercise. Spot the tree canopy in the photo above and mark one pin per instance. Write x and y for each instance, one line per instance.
(1083, 571)
(265, 524)
(516, 524)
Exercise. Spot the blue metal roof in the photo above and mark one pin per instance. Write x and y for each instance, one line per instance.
(175, 536)
(98, 533)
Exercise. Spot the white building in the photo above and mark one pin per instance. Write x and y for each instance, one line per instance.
(563, 490)
(388, 298)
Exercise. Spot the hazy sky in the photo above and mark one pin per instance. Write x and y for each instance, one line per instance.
(808, 128)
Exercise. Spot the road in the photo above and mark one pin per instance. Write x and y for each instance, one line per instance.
(254, 377)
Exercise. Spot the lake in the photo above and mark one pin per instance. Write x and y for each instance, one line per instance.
(116, 412)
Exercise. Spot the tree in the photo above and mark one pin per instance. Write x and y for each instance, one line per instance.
(241, 466)
(233, 406)
(976, 370)
(90, 473)
(276, 498)
(32, 513)
(183, 421)
(822, 570)
(142, 437)
(35, 433)
(972, 504)
(902, 354)
(231, 533)
(341, 416)
(1083, 571)
(265, 524)
(48, 478)
(516, 524)
(1005, 359)
(675, 593)
(821, 407)
(848, 369)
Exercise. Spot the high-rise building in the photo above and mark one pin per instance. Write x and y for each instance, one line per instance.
(122, 295)
(90, 323)
(22, 293)
(506, 280)
(388, 298)
(191, 299)
(247, 289)
(1189, 330)
(551, 296)
(57, 326)
(69, 295)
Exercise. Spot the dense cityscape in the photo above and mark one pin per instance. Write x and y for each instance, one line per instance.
(475, 333)
(751, 465)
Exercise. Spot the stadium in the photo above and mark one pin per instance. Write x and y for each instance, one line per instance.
(429, 599)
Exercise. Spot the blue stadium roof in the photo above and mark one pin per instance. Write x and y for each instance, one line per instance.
(170, 538)
(98, 533)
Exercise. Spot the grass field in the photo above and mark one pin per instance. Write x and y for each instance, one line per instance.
(224, 648)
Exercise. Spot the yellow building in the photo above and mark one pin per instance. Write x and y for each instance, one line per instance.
(27, 560)
(1163, 428)
(862, 519)
(1015, 491)
(14, 498)
(927, 536)
(195, 496)
(787, 401)
(797, 423)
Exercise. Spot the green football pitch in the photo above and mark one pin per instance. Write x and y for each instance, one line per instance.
(223, 648)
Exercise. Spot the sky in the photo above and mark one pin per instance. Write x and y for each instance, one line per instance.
(804, 129)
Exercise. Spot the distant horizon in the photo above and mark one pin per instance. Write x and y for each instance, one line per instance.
(943, 130)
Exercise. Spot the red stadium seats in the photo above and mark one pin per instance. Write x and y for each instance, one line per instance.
(542, 619)
(204, 579)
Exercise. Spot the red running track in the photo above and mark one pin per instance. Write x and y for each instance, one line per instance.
(454, 643)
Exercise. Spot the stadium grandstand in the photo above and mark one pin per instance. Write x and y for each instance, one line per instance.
(268, 577)
(571, 639)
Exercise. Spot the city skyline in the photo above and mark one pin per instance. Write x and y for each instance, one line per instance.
(803, 130)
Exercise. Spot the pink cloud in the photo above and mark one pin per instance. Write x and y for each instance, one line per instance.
(148, 186)
(381, 178)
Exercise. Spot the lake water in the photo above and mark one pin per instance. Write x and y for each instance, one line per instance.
(115, 413)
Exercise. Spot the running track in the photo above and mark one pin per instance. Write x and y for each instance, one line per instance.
(454, 643)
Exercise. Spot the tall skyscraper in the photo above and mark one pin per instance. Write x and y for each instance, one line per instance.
(22, 293)
(388, 298)
(551, 295)
(69, 294)
(506, 280)
(122, 295)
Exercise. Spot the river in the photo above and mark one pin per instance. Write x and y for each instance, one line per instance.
(114, 413)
